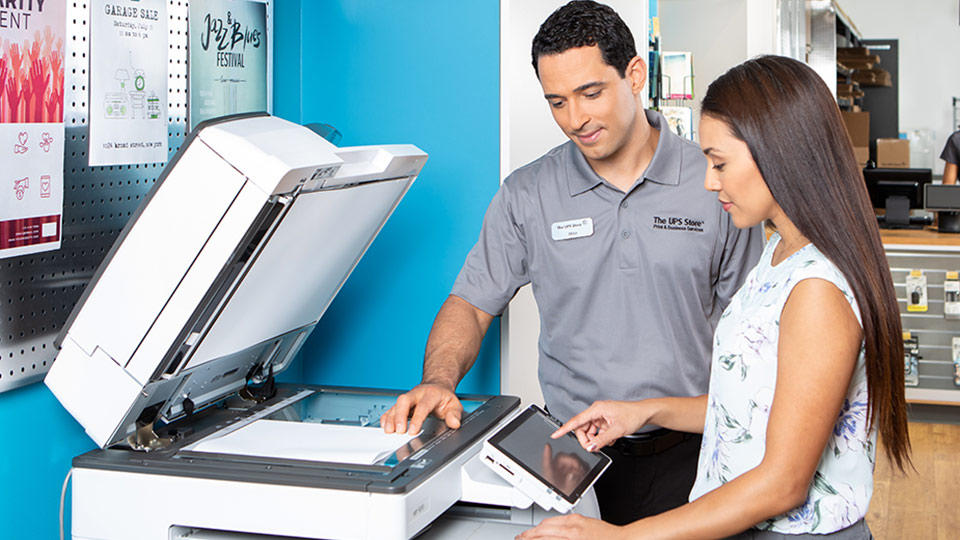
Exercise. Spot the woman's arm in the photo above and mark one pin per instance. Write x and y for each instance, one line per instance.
(818, 349)
(606, 421)
(685, 414)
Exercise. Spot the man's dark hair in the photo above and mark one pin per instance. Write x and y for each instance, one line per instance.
(585, 23)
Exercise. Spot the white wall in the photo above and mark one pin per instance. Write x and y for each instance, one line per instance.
(762, 32)
(715, 31)
(929, 39)
(527, 131)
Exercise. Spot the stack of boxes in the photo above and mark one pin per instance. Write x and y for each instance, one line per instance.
(864, 65)
(891, 153)
(858, 126)
(850, 92)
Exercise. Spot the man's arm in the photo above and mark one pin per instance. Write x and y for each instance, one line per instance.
(452, 348)
(950, 173)
(493, 271)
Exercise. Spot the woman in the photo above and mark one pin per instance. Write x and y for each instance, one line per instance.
(808, 358)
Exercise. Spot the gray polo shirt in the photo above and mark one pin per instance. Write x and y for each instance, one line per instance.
(951, 151)
(629, 285)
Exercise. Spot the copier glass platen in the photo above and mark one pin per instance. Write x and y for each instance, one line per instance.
(169, 358)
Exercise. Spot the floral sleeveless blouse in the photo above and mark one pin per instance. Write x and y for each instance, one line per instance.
(742, 380)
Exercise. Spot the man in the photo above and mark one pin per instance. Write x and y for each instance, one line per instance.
(951, 155)
(631, 262)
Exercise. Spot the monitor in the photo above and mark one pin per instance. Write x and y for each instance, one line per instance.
(897, 191)
(945, 200)
(942, 197)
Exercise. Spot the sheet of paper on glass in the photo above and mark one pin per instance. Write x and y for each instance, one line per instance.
(128, 82)
(307, 441)
(31, 126)
(228, 58)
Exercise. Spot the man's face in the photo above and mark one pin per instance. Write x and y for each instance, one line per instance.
(589, 100)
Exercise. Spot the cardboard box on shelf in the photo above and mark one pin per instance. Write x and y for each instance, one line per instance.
(865, 77)
(872, 58)
(851, 95)
(893, 153)
(852, 51)
(872, 77)
(866, 62)
(883, 78)
(858, 126)
(844, 88)
(862, 153)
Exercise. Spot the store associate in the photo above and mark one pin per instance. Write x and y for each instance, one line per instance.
(951, 157)
(631, 263)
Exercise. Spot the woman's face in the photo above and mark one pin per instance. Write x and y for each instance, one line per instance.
(734, 176)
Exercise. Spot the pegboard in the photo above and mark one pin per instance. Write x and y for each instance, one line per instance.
(932, 330)
(38, 292)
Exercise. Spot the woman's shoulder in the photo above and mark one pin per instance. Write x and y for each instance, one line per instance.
(813, 264)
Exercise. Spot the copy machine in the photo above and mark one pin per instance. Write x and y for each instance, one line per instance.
(168, 361)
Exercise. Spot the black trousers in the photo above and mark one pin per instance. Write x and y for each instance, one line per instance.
(635, 487)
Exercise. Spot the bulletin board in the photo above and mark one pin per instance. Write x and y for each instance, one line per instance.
(38, 292)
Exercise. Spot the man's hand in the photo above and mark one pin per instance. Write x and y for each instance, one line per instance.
(424, 399)
(573, 527)
(604, 422)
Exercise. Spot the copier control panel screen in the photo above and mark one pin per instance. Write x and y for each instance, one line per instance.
(562, 463)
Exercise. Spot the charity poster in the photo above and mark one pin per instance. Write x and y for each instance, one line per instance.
(228, 58)
(32, 36)
(128, 82)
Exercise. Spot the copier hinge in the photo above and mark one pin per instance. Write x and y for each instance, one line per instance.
(145, 439)
(259, 388)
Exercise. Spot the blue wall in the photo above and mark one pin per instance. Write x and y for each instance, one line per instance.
(382, 72)
(425, 73)
(38, 438)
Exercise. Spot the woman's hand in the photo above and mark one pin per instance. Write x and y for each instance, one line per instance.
(606, 421)
(573, 527)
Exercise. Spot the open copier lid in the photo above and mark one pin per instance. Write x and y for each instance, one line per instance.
(223, 272)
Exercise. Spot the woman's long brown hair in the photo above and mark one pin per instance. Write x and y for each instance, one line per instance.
(788, 118)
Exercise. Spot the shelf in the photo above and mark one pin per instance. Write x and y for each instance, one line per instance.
(928, 396)
(845, 26)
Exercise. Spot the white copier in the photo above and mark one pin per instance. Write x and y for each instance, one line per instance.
(169, 358)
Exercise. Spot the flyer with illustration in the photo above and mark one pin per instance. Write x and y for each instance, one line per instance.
(128, 82)
(228, 58)
(31, 126)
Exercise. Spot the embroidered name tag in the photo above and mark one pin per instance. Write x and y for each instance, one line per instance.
(575, 228)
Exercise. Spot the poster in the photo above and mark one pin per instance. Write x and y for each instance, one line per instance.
(128, 82)
(680, 120)
(228, 58)
(31, 126)
(677, 74)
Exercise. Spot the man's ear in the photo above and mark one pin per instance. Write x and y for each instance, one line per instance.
(637, 73)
